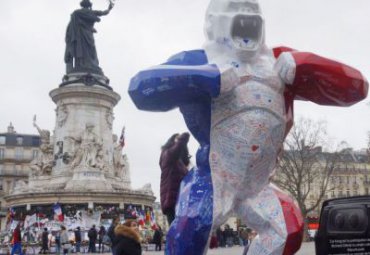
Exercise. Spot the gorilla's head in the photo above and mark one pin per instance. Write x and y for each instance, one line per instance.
(237, 25)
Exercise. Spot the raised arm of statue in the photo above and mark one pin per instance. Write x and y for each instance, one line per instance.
(38, 128)
(44, 134)
(35, 125)
(106, 12)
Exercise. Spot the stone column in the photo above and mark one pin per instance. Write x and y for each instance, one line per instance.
(83, 145)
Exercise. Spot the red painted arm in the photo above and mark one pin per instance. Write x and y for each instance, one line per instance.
(321, 80)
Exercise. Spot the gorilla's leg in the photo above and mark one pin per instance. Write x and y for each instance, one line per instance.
(264, 214)
(190, 231)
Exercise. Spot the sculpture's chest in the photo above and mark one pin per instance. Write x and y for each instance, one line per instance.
(263, 90)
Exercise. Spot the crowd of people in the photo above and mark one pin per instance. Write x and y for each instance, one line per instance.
(61, 240)
(121, 238)
(227, 237)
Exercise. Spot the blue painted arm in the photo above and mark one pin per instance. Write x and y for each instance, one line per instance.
(183, 78)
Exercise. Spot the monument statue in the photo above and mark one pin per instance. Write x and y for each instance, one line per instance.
(125, 173)
(80, 54)
(236, 96)
(118, 158)
(44, 162)
(147, 188)
(89, 149)
(121, 165)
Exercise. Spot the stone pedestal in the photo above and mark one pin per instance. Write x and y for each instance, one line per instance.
(88, 180)
(84, 160)
(83, 144)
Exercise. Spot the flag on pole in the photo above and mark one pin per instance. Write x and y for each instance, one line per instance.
(147, 217)
(141, 220)
(9, 217)
(134, 213)
(153, 223)
(129, 209)
(122, 138)
(12, 212)
(58, 214)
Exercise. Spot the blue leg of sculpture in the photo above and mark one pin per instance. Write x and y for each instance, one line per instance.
(189, 232)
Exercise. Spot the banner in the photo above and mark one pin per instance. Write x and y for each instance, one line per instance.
(71, 223)
(91, 218)
(53, 225)
(83, 219)
(30, 220)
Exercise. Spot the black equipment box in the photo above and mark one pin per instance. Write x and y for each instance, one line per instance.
(344, 227)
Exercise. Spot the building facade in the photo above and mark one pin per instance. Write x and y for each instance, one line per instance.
(350, 178)
(17, 151)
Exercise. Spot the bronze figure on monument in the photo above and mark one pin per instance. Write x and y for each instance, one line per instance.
(80, 55)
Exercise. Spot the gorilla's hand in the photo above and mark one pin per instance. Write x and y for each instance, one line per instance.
(285, 66)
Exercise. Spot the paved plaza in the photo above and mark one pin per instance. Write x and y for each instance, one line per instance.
(307, 249)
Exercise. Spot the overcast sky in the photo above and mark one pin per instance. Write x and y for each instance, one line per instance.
(141, 33)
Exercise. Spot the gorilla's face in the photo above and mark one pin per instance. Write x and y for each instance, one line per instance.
(246, 32)
(236, 24)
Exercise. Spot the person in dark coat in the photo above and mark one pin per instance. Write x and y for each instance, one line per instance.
(58, 244)
(112, 235)
(78, 239)
(128, 238)
(45, 241)
(220, 237)
(174, 161)
(229, 236)
(157, 238)
(92, 235)
(101, 234)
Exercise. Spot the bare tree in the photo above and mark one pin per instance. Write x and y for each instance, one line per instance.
(304, 169)
(368, 146)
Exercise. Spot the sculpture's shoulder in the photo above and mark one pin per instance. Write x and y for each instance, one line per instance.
(278, 50)
(77, 12)
(84, 14)
(192, 57)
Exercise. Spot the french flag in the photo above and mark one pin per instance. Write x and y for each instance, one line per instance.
(11, 212)
(153, 223)
(122, 138)
(10, 216)
(141, 220)
(58, 214)
(134, 213)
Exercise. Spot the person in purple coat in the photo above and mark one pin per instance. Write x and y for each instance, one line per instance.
(174, 161)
